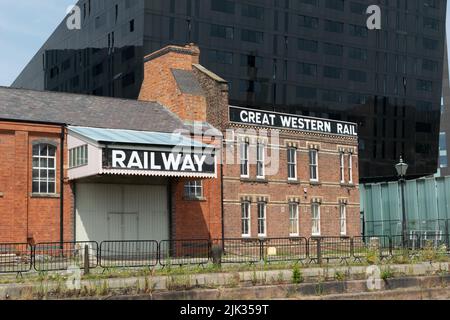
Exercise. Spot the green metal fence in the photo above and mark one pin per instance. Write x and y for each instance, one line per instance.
(427, 203)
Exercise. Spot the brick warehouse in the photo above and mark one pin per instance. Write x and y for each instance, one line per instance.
(314, 192)
(101, 201)
(264, 205)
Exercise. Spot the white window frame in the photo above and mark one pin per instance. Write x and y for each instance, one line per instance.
(244, 155)
(260, 160)
(290, 163)
(350, 168)
(343, 219)
(247, 219)
(294, 219)
(40, 168)
(197, 185)
(78, 157)
(342, 166)
(262, 220)
(314, 166)
(315, 233)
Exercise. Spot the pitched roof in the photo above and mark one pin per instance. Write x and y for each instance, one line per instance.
(85, 110)
(187, 82)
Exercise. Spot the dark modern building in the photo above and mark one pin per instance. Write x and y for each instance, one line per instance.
(311, 57)
(444, 135)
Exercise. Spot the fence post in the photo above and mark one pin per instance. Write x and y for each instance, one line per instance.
(319, 251)
(86, 259)
(390, 246)
(352, 248)
(216, 253)
(447, 236)
(261, 250)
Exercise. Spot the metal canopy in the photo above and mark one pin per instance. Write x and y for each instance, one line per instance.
(120, 136)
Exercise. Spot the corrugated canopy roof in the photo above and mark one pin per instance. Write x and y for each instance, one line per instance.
(133, 137)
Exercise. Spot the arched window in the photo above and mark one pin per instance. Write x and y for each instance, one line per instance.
(44, 169)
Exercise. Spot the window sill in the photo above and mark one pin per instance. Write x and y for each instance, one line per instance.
(348, 185)
(202, 199)
(315, 183)
(294, 182)
(44, 196)
(257, 180)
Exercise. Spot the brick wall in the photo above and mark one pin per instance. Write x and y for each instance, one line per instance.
(279, 191)
(160, 85)
(191, 218)
(24, 216)
(196, 219)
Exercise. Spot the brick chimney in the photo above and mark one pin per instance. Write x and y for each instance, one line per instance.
(169, 79)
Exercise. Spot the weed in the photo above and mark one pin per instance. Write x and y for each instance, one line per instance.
(339, 276)
(297, 275)
(386, 273)
(180, 282)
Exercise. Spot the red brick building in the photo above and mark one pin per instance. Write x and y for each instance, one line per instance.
(319, 197)
(138, 196)
(266, 174)
(25, 215)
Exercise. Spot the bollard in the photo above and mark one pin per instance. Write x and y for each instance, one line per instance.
(86, 259)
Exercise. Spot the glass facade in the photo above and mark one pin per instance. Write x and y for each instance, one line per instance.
(310, 57)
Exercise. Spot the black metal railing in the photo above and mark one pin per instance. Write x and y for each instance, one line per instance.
(15, 257)
(285, 249)
(240, 250)
(129, 254)
(375, 246)
(329, 248)
(56, 256)
(184, 252)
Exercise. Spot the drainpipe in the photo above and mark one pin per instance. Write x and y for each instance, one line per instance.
(61, 196)
(221, 200)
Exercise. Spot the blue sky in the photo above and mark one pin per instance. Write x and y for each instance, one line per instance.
(24, 27)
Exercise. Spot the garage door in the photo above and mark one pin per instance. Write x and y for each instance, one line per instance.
(121, 212)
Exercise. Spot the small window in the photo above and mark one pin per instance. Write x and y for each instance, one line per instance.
(313, 165)
(342, 169)
(260, 156)
(293, 220)
(193, 190)
(292, 163)
(44, 169)
(315, 218)
(245, 219)
(244, 160)
(262, 221)
(350, 168)
(132, 25)
(78, 156)
(343, 219)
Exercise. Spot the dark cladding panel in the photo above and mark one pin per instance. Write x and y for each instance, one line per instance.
(388, 81)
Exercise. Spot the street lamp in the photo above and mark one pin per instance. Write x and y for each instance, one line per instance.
(401, 168)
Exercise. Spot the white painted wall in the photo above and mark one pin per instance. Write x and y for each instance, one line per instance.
(95, 202)
(94, 159)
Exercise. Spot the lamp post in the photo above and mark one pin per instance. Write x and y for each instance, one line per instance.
(401, 168)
